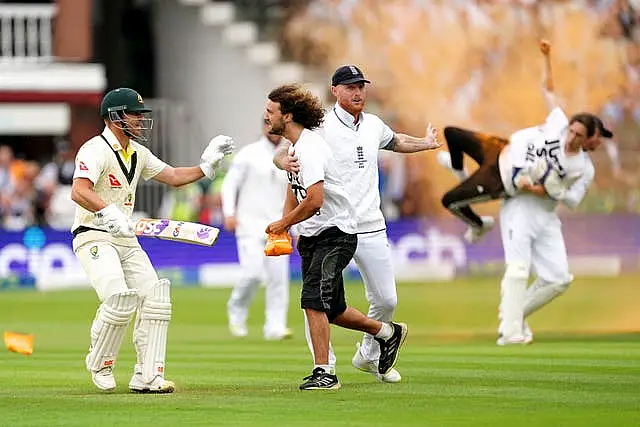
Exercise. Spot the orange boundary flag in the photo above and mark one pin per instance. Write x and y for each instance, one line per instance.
(19, 343)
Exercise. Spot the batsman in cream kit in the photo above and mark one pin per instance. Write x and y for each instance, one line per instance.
(107, 170)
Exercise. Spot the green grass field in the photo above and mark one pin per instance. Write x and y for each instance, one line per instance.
(583, 369)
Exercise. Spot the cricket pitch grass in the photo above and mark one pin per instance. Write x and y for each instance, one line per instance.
(582, 370)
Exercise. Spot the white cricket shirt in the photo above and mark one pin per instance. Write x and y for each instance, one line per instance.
(547, 142)
(115, 179)
(318, 164)
(355, 148)
(254, 189)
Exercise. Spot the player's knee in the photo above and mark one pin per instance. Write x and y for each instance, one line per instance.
(449, 199)
(157, 303)
(562, 286)
(119, 308)
(517, 271)
(385, 304)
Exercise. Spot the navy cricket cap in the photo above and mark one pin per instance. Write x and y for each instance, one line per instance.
(346, 75)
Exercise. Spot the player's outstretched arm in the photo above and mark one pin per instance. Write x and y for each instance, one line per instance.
(547, 76)
(177, 177)
(218, 148)
(403, 143)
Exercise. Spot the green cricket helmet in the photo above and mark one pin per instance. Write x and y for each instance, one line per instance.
(125, 108)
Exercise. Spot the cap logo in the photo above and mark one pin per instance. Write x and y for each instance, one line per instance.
(354, 70)
(140, 99)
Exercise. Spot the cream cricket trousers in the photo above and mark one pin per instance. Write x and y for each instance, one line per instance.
(113, 269)
(258, 268)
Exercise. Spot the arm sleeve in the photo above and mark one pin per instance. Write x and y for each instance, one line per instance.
(312, 160)
(89, 163)
(574, 194)
(232, 184)
(153, 165)
(387, 135)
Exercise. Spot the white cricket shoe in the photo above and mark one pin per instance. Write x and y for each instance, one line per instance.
(371, 366)
(285, 334)
(104, 379)
(475, 234)
(238, 330)
(159, 385)
(516, 340)
(527, 335)
(444, 158)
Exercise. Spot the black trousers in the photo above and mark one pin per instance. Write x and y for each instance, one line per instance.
(485, 183)
(323, 258)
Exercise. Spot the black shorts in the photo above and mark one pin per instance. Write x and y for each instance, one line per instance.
(323, 258)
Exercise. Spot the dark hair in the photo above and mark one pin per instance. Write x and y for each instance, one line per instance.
(587, 120)
(306, 108)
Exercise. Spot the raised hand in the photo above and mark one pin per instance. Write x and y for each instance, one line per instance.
(218, 147)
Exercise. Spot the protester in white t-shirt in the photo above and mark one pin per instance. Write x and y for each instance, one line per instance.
(324, 218)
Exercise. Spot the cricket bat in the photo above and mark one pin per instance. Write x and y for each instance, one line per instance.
(179, 231)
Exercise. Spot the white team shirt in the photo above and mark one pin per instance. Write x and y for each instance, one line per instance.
(114, 180)
(254, 189)
(318, 164)
(355, 148)
(547, 142)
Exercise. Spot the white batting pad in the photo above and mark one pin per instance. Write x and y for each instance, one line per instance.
(542, 293)
(150, 335)
(109, 327)
(513, 288)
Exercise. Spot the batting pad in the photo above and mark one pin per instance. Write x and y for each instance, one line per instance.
(150, 336)
(109, 327)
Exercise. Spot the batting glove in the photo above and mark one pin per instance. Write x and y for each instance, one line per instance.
(114, 221)
(218, 147)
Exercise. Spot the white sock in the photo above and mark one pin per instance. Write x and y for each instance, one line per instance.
(385, 332)
(326, 368)
(460, 174)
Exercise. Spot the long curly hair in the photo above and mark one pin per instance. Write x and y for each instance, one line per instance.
(306, 108)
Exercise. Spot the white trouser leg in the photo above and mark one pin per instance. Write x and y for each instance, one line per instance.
(251, 256)
(101, 262)
(551, 264)
(307, 334)
(276, 295)
(373, 257)
(518, 232)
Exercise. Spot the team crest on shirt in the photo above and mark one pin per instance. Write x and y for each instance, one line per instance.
(360, 160)
(113, 181)
(82, 166)
(93, 250)
(129, 200)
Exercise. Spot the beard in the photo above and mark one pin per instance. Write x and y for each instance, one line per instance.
(277, 128)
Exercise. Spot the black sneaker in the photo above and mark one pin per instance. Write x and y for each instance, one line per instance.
(320, 380)
(389, 348)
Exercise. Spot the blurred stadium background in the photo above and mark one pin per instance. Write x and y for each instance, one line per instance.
(206, 66)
